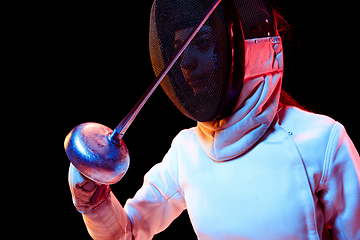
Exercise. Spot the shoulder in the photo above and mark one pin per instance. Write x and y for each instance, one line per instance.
(312, 133)
(186, 136)
(299, 115)
(186, 146)
(299, 121)
(315, 134)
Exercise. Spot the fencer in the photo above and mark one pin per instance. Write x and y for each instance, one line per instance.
(254, 167)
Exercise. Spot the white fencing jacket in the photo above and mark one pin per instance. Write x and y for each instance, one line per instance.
(266, 172)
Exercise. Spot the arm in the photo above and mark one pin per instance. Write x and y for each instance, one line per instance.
(158, 202)
(154, 207)
(340, 186)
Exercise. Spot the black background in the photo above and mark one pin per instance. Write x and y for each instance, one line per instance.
(89, 62)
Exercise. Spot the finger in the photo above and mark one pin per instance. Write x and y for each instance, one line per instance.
(89, 186)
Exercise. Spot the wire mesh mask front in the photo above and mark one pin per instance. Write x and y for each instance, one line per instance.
(198, 82)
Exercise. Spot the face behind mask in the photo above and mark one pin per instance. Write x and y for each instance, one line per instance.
(205, 82)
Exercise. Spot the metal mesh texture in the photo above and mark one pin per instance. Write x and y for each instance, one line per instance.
(256, 18)
(199, 82)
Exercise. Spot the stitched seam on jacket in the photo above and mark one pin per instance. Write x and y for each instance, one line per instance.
(327, 158)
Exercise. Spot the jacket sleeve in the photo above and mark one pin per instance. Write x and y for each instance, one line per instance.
(157, 203)
(340, 186)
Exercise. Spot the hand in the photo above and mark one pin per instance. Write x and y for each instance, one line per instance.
(86, 194)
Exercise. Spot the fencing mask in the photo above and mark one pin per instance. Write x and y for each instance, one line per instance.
(205, 82)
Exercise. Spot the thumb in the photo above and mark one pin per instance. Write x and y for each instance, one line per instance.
(76, 179)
